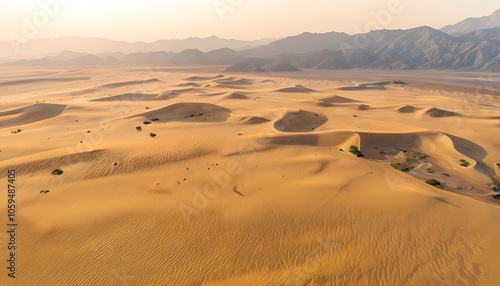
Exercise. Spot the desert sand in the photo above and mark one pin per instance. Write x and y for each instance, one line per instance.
(190, 177)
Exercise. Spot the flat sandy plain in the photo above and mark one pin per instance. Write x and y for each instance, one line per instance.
(249, 180)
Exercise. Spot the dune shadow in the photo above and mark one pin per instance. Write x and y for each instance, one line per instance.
(476, 152)
(301, 121)
(43, 80)
(297, 89)
(128, 83)
(30, 114)
(188, 112)
(367, 86)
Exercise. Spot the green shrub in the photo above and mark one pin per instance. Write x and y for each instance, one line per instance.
(139, 128)
(405, 166)
(147, 122)
(464, 163)
(399, 82)
(155, 119)
(433, 182)
(195, 115)
(152, 135)
(16, 131)
(354, 150)
(57, 172)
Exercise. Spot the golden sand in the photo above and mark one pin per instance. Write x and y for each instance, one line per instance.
(248, 181)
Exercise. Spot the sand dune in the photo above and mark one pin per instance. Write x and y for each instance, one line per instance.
(129, 97)
(43, 80)
(366, 86)
(254, 120)
(300, 121)
(189, 84)
(236, 95)
(407, 109)
(234, 81)
(84, 91)
(29, 114)
(338, 99)
(336, 139)
(249, 192)
(190, 112)
(437, 112)
(363, 107)
(177, 92)
(355, 106)
(129, 83)
(204, 78)
(431, 143)
(166, 95)
(113, 86)
(296, 89)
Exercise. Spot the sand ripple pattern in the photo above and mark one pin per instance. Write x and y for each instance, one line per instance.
(321, 248)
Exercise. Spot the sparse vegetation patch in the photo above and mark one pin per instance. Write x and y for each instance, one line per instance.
(433, 182)
(464, 163)
(355, 150)
(399, 82)
(57, 172)
(411, 159)
(195, 115)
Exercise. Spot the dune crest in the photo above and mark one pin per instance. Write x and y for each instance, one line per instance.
(236, 95)
(30, 114)
(189, 111)
(338, 99)
(296, 89)
(300, 121)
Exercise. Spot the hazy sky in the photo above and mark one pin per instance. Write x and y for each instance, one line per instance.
(149, 20)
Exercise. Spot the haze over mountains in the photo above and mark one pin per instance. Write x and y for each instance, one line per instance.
(473, 44)
(473, 24)
(97, 45)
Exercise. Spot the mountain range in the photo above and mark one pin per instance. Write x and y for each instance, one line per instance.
(473, 44)
(473, 24)
(44, 47)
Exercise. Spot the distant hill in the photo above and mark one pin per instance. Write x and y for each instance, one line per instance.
(418, 48)
(86, 60)
(303, 43)
(473, 24)
(43, 47)
(148, 59)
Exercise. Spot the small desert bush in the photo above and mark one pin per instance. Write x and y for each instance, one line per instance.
(433, 182)
(464, 163)
(57, 172)
(354, 150)
(399, 82)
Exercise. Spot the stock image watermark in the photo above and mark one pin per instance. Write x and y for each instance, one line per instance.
(31, 26)
(222, 7)
(11, 223)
